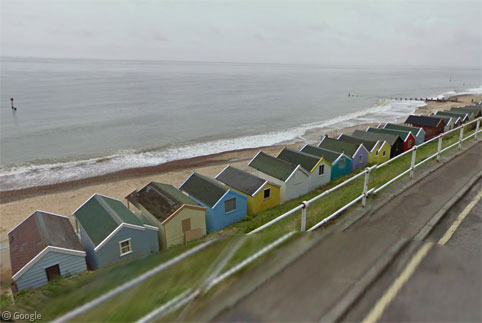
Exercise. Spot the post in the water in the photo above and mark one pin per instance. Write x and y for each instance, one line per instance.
(13, 108)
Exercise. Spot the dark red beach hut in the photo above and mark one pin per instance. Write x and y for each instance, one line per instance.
(432, 126)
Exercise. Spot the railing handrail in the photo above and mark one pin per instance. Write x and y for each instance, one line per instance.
(305, 204)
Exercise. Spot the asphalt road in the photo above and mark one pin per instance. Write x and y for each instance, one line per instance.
(310, 287)
(446, 286)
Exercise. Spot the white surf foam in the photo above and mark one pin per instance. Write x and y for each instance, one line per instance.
(29, 175)
(473, 91)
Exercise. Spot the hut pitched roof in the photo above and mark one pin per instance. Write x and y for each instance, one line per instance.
(423, 121)
(241, 180)
(413, 130)
(329, 155)
(463, 116)
(401, 133)
(272, 166)
(101, 215)
(368, 144)
(446, 119)
(39, 230)
(160, 200)
(203, 188)
(389, 138)
(339, 146)
(307, 161)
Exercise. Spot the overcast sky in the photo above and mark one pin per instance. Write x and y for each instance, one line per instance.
(389, 32)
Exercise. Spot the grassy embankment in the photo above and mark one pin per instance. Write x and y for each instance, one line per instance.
(66, 294)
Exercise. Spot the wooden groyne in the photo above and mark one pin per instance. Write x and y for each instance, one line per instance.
(428, 99)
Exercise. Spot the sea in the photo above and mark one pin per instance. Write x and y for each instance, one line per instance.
(78, 118)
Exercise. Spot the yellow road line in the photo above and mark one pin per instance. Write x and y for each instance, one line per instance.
(390, 294)
(450, 232)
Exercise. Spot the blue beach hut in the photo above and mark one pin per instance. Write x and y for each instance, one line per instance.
(111, 233)
(224, 206)
(43, 247)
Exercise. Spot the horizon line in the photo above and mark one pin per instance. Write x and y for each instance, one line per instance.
(243, 62)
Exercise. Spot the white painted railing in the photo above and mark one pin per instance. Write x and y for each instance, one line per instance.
(411, 170)
(189, 295)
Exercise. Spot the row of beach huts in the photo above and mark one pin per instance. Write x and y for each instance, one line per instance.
(45, 246)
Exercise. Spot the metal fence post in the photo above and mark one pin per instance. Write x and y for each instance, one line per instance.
(412, 166)
(303, 216)
(461, 136)
(477, 125)
(439, 147)
(365, 186)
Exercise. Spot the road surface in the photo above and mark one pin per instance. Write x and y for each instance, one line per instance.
(309, 288)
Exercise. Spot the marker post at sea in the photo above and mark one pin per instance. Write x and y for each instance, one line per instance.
(13, 108)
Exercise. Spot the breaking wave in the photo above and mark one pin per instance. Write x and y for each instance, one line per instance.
(44, 173)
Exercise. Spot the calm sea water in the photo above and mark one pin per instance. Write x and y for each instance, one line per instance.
(79, 118)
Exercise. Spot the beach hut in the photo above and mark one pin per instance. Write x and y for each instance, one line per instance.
(177, 216)
(340, 163)
(261, 194)
(433, 127)
(395, 142)
(317, 166)
(477, 109)
(357, 152)
(406, 136)
(224, 206)
(417, 132)
(473, 113)
(463, 117)
(449, 122)
(110, 233)
(378, 150)
(293, 180)
(43, 247)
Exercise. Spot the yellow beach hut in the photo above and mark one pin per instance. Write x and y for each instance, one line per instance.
(177, 216)
(262, 195)
(378, 151)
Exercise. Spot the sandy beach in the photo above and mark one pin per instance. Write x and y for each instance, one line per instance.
(64, 198)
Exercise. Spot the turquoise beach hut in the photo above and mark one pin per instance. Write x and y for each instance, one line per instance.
(224, 206)
(341, 164)
(357, 152)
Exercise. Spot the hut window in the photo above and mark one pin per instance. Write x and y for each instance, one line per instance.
(125, 247)
(321, 170)
(376, 153)
(230, 205)
(342, 163)
(384, 153)
(409, 143)
(361, 159)
(267, 193)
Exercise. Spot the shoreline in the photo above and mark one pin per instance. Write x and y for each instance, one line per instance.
(63, 198)
(221, 158)
(171, 166)
(224, 157)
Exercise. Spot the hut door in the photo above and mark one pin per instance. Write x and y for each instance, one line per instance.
(52, 272)
(189, 233)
